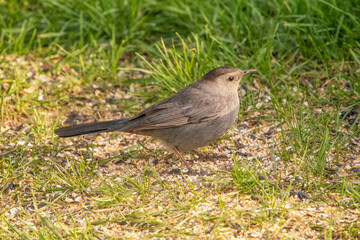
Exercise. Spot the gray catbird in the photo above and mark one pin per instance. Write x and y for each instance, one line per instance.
(193, 117)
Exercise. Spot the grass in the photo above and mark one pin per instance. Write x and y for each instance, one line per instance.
(292, 171)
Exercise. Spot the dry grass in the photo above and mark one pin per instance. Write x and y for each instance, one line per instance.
(117, 184)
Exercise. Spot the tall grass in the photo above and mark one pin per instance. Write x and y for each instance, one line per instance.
(254, 28)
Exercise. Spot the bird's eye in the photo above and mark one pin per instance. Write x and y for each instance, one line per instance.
(231, 78)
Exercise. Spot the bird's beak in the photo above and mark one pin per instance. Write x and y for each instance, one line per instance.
(245, 72)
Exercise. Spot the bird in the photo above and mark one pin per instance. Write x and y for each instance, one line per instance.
(193, 117)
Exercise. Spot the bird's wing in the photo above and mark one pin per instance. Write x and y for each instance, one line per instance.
(173, 113)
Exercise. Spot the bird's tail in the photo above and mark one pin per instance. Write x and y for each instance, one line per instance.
(106, 126)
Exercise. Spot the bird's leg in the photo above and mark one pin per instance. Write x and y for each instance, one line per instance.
(183, 160)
